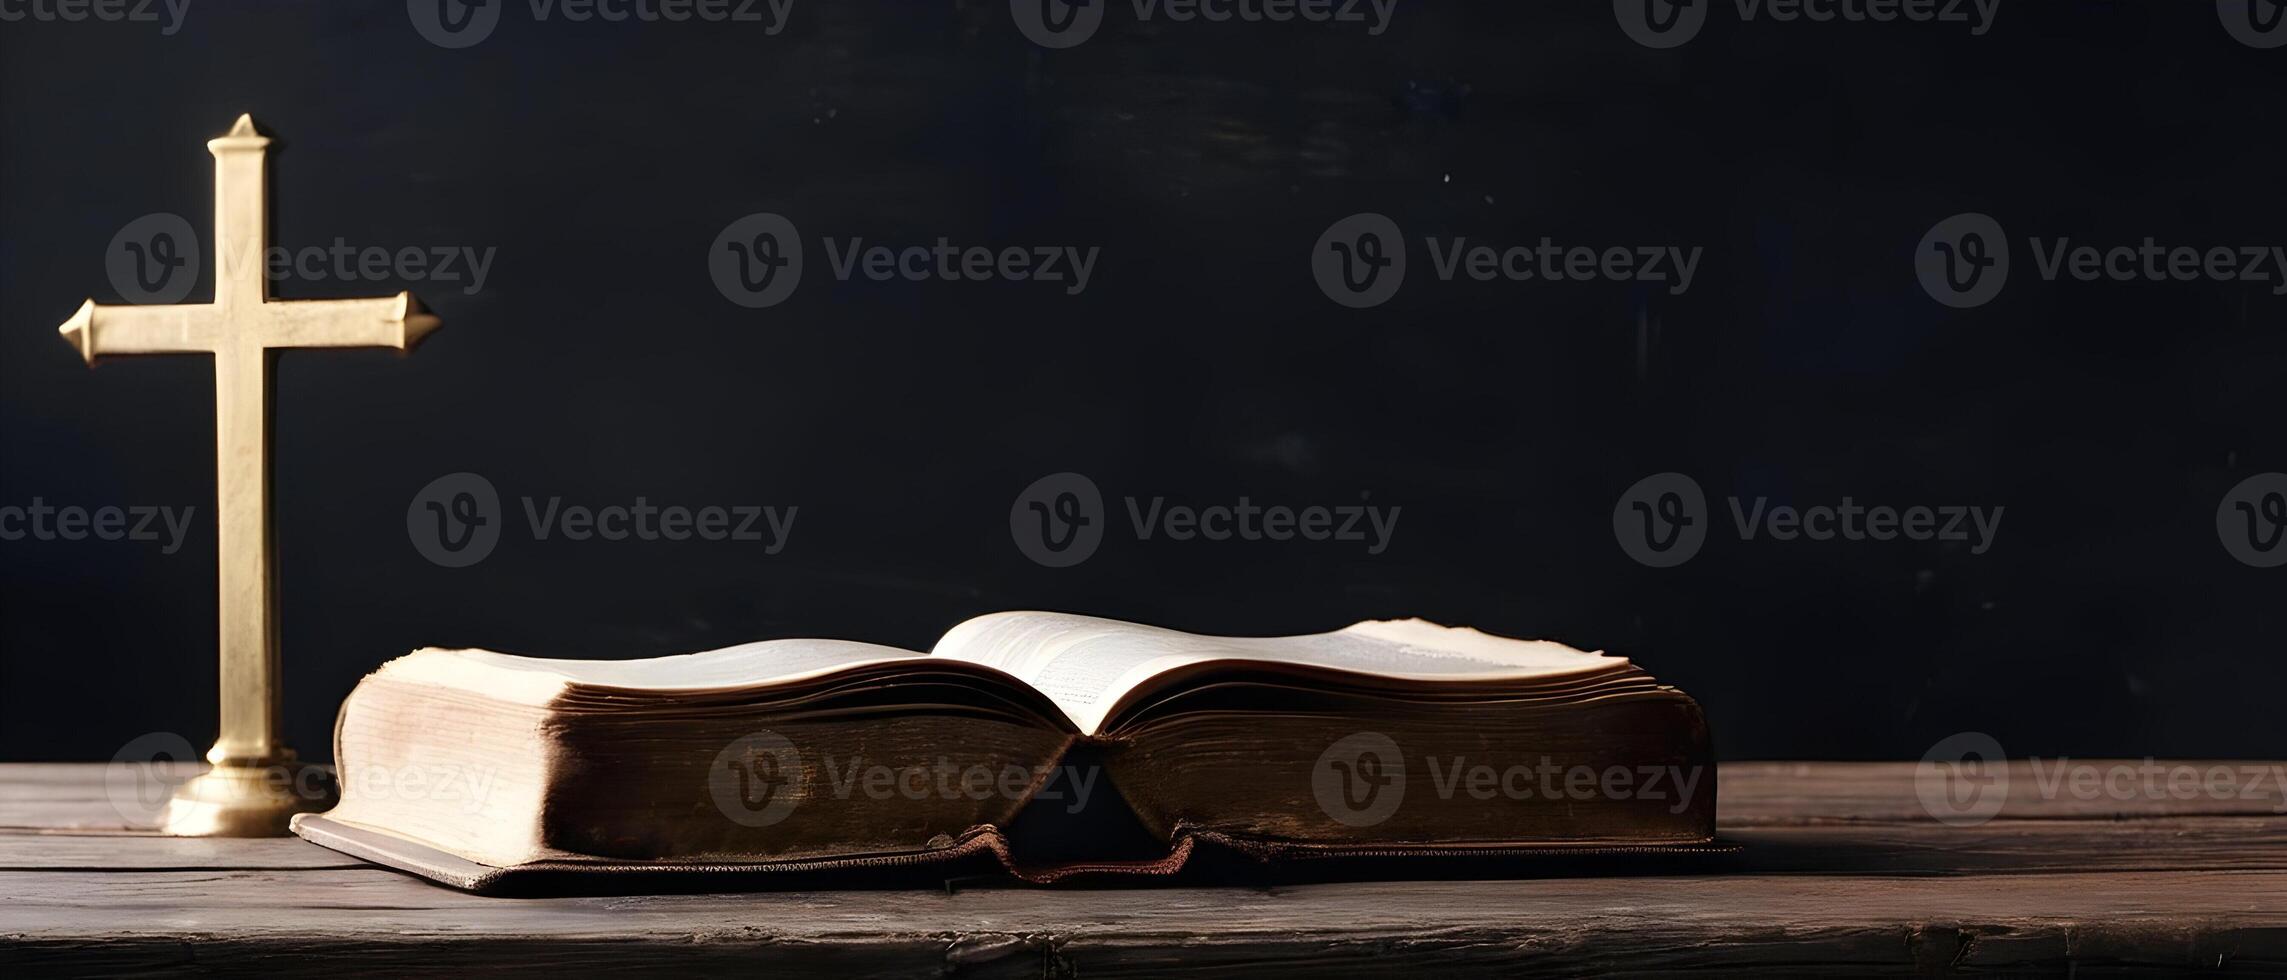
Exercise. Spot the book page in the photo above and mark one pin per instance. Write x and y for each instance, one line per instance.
(1086, 665)
(535, 680)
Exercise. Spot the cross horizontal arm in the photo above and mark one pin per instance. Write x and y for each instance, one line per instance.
(398, 321)
(103, 331)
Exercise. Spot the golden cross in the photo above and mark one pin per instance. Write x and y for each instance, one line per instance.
(244, 329)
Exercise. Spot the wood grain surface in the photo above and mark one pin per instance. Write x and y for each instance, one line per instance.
(1840, 872)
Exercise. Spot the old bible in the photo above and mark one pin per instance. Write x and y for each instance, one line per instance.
(1382, 739)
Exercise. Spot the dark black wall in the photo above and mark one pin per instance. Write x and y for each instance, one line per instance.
(599, 362)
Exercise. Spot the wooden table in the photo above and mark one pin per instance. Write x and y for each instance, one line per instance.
(1842, 871)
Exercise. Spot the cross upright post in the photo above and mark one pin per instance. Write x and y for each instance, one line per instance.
(254, 783)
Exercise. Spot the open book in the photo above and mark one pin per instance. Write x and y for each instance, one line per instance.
(1382, 738)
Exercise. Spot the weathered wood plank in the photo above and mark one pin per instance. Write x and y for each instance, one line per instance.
(114, 798)
(1842, 872)
(2000, 847)
(1754, 794)
(75, 780)
(2153, 920)
(56, 852)
(2015, 847)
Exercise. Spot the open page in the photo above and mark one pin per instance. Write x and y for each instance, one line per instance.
(1086, 665)
(535, 681)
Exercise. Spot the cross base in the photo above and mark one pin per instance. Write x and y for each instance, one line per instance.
(239, 799)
